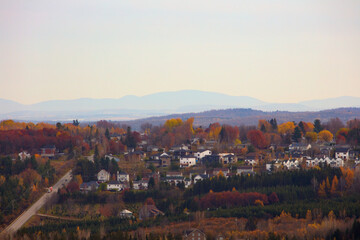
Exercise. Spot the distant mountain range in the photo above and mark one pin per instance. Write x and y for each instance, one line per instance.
(243, 116)
(158, 104)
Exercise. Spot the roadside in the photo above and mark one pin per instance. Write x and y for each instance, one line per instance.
(27, 214)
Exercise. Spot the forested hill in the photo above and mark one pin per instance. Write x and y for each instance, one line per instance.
(241, 116)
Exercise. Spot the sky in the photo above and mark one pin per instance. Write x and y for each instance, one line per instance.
(276, 51)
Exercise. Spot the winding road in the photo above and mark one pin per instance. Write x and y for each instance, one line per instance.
(25, 216)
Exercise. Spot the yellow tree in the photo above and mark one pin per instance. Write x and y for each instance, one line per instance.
(286, 128)
(349, 179)
(321, 191)
(2, 180)
(327, 185)
(334, 186)
(46, 182)
(172, 123)
(79, 179)
(325, 136)
(308, 215)
(311, 136)
(214, 131)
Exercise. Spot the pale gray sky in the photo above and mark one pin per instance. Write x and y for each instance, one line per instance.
(277, 51)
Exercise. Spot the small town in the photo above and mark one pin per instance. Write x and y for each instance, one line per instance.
(175, 177)
(180, 120)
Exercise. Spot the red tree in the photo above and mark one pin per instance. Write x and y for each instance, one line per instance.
(257, 139)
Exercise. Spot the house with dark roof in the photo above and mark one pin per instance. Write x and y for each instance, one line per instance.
(210, 159)
(194, 234)
(342, 152)
(200, 177)
(149, 211)
(89, 186)
(122, 176)
(244, 170)
(48, 151)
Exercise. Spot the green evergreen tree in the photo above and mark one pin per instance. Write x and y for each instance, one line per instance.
(107, 134)
(317, 126)
(297, 134)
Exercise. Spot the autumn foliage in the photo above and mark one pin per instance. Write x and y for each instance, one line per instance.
(19, 140)
(257, 138)
(231, 199)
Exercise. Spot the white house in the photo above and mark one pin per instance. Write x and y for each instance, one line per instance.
(342, 152)
(103, 176)
(226, 158)
(114, 185)
(299, 147)
(125, 214)
(251, 162)
(338, 162)
(273, 164)
(24, 155)
(138, 185)
(122, 177)
(187, 161)
(200, 177)
(291, 164)
(200, 155)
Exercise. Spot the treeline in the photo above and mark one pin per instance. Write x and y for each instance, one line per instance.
(284, 178)
(233, 199)
(13, 141)
(342, 207)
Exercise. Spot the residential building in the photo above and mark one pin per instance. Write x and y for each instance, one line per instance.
(194, 234)
(200, 177)
(126, 214)
(103, 176)
(187, 161)
(299, 147)
(140, 185)
(338, 162)
(245, 170)
(48, 151)
(342, 152)
(111, 157)
(114, 185)
(202, 154)
(89, 186)
(226, 158)
(291, 164)
(24, 155)
(149, 211)
(210, 159)
(165, 160)
(122, 177)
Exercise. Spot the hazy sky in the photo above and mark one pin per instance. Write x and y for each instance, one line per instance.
(277, 51)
